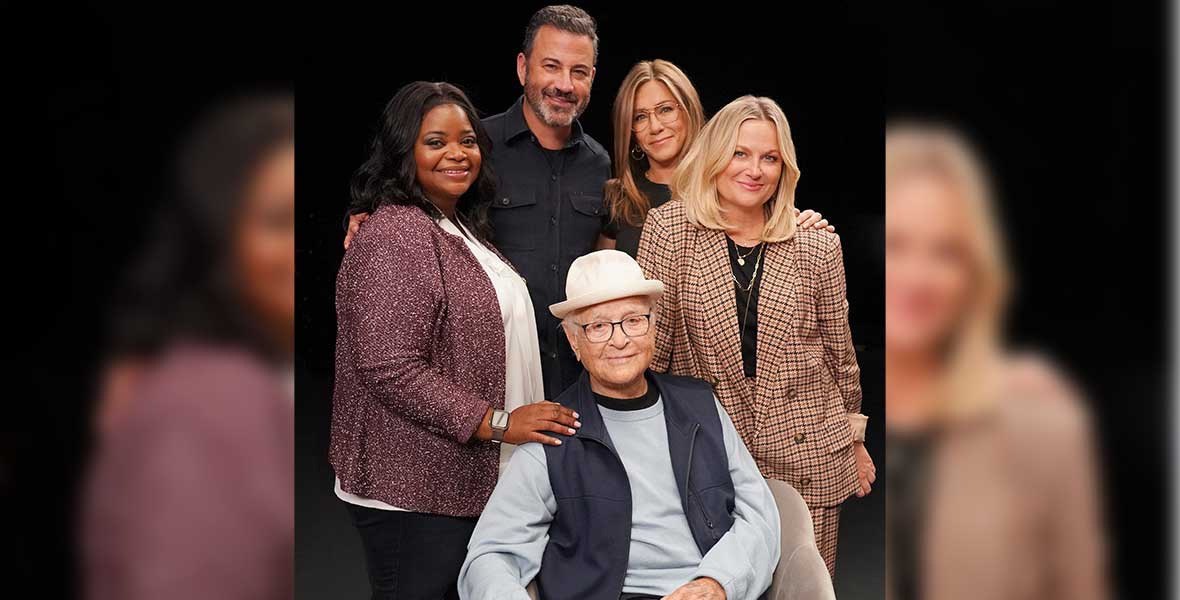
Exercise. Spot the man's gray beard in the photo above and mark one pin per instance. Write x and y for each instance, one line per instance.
(549, 117)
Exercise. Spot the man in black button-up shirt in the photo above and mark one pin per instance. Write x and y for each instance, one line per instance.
(549, 209)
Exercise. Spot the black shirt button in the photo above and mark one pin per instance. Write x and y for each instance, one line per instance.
(553, 177)
(552, 355)
(553, 220)
(553, 267)
(503, 201)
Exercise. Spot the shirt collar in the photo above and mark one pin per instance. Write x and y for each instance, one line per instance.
(517, 127)
(647, 400)
(592, 423)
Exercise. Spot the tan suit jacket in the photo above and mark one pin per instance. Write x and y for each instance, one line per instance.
(793, 415)
(1014, 506)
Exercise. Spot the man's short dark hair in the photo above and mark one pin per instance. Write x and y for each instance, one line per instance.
(566, 18)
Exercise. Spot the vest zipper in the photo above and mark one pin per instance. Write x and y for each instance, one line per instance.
(630, 517)
(688, 481)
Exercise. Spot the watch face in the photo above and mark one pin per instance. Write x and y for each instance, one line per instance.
(499, 419)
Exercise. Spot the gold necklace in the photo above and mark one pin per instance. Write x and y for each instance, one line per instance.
(742, 257)
(749, 295)
(757, 265)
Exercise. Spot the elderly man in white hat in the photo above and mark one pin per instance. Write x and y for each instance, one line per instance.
(655, 496)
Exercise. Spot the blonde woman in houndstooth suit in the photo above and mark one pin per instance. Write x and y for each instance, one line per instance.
(756, 306)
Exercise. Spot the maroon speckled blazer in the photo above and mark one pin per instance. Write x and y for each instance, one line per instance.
(419, 359)
(191, 495)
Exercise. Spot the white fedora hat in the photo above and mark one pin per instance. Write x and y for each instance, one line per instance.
(603, 276)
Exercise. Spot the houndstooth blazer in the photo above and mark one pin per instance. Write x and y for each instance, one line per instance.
(794, 415)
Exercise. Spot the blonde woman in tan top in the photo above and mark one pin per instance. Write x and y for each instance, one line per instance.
(993, 491)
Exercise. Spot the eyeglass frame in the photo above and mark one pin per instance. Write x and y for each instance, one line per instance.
(649, 114)
(647, 319)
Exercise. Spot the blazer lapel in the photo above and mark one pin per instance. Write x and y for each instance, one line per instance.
(719, 303)
(776, 315)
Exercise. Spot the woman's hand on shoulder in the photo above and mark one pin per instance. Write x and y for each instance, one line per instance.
(354, 225)
(527, 423)
(809, 219)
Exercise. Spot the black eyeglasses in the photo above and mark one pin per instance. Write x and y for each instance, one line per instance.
(601, 331)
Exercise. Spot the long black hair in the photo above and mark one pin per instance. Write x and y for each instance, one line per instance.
(389, 175)
(182, 284)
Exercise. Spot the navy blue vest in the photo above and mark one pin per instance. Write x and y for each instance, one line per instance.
(590, 537)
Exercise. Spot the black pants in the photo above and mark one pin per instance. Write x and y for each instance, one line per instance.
(412, 555)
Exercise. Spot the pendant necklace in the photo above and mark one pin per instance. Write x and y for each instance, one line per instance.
(753, 278)
(741, 258)
(748, 291)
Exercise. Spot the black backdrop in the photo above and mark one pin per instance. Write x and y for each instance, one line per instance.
(820, 63)
(1067, 100)
(1068, 104)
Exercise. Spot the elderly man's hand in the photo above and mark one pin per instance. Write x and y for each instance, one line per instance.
(705, 588)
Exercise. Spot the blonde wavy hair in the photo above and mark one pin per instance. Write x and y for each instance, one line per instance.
(973, 351)
(627, 203)
(695, 181)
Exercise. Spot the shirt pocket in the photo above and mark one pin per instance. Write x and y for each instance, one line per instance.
(588, 221)
(589, 204)
(714, 506)
(516, 222)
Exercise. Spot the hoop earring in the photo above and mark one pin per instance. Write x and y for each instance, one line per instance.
(637, 153)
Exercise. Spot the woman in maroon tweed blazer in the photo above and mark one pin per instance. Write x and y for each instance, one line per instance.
(190, 494)
(430, 317)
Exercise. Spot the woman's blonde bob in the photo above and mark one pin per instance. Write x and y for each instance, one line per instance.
(695, 181)
(973, 349)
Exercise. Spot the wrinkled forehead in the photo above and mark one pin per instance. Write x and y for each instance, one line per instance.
(614, 310)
